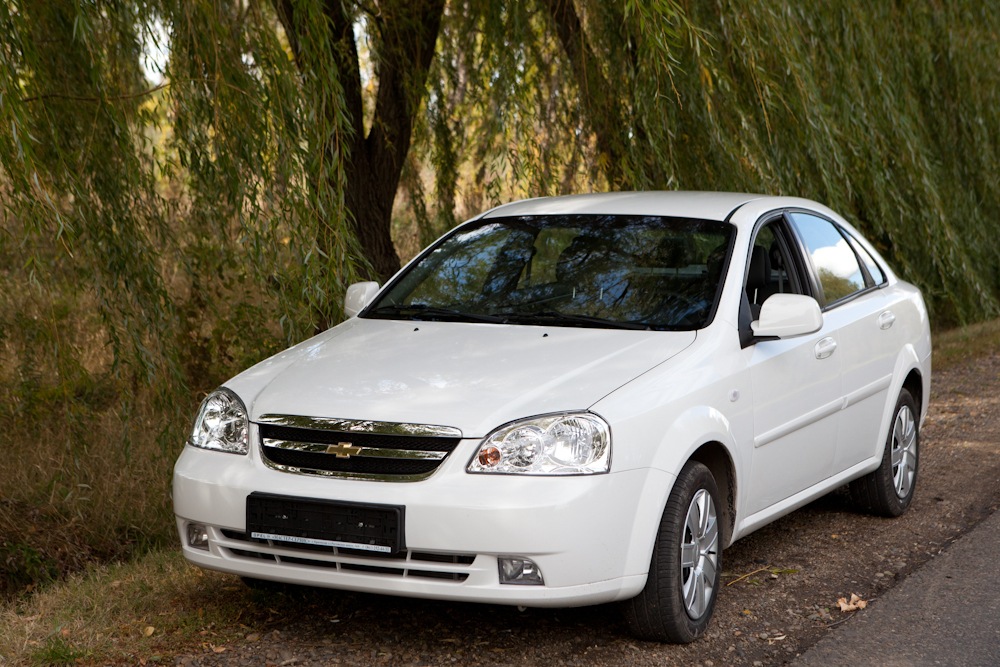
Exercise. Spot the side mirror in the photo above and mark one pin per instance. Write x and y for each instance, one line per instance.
(358, 296)
(787, 315)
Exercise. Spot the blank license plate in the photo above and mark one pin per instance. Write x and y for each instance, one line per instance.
(325, 523)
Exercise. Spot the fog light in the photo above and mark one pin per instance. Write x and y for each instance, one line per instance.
(519, 571)
(197, 535)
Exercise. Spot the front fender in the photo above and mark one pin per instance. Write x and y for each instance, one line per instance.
(701, 432)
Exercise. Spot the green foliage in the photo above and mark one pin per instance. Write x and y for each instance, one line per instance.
(24, 565)
(884, 112)
(58, 650)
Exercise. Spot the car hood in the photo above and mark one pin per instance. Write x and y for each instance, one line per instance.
(471, 376)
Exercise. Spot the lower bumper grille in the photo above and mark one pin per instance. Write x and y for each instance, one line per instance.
(428, 565)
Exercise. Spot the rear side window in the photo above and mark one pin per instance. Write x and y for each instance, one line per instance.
(874, 270)
(837, 268)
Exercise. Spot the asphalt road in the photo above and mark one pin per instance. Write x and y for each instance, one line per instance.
(945, 613)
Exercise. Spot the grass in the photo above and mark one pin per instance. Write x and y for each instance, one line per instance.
(71, 496)
(956, 346)
(126, 612)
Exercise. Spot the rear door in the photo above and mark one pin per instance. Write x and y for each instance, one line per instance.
(859, 310)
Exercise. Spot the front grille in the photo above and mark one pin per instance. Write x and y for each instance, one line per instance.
(427, 565)
(356, 465)
(366, 450)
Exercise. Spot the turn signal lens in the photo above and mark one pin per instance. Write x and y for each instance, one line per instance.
(489, 457)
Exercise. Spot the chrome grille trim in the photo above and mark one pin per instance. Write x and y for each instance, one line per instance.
(364, 452)
(360, 426)
(354, 449)
(370, 477)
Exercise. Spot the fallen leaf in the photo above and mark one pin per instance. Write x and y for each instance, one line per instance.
(855, 603)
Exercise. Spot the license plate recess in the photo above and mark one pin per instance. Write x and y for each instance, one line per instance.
(376, 529)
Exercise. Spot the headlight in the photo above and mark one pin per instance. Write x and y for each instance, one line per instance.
(222, 424)
(564, 444)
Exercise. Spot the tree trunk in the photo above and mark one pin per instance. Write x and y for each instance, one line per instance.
(597, 97)
(404, 34)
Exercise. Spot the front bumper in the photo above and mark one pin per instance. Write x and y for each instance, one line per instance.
(591, 536)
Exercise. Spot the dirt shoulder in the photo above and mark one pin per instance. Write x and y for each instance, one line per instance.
(783, 582)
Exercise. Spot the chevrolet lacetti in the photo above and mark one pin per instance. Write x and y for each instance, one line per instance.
(570, 401)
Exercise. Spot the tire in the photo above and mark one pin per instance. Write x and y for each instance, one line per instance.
(677, 602)
(888, 490)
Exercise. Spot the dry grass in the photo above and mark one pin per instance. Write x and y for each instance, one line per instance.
(124, 613)
(74, 492)
(958, 345)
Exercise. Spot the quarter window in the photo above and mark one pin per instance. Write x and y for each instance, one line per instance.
(874, 270)
(836, 265)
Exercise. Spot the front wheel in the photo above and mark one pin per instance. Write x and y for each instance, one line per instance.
(683, 582)
(889, 490)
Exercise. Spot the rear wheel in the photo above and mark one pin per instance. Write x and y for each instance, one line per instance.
(889, 490)
(679, 597)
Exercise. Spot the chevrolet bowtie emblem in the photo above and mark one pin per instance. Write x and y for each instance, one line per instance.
(343, 450)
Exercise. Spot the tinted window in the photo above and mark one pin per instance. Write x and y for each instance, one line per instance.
(640, 271)
(770, 270)
(836, 264)
(874, 270)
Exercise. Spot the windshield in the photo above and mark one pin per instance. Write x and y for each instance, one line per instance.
(612, 271)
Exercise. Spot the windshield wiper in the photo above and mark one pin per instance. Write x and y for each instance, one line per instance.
(422, 311)
(555, 317)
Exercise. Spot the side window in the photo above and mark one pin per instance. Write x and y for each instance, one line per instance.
(874, 270)
(770, 269)
(836, 265)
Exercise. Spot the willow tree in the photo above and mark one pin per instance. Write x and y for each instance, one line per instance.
(258, 179)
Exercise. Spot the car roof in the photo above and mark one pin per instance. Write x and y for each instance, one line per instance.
(700, 205)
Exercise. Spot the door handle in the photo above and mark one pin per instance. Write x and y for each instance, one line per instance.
(825, 347)
(886, 319)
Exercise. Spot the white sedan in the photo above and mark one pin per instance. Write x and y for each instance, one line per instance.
(570, 401)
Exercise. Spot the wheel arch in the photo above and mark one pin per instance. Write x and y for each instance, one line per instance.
(911, 375)
(914, 384)
(714, 456)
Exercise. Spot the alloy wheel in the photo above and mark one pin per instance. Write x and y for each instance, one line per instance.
(699, 554)
(904, 451)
